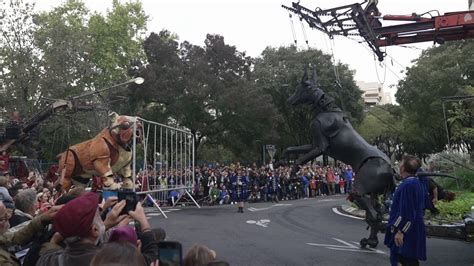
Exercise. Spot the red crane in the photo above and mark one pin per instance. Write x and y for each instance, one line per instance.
(353, 20)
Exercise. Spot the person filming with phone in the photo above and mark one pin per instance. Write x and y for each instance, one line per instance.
(80, 226)
(139, 246)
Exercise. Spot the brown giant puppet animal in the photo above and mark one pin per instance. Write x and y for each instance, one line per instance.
(108, 153)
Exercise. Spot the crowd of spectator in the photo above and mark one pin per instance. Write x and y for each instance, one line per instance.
(213, 182)
(39, 225)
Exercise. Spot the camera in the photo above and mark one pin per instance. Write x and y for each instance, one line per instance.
(170, 253)
(131, 200)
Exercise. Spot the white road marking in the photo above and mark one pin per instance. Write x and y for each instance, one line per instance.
(149, 214)
(360, 250)
(345, 243)
(324, 200)
(153, 214)
(348, 247)
(252, 209)
(347, 215)
(262, 223)
(373, 249)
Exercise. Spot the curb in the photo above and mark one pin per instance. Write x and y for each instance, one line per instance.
(449, 231)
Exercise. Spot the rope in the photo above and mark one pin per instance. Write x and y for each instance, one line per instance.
(340, 86)
(399, 133)
(389, 125)
(393, 60)
(336, 74)
(370, 51)
(54, 141)
(377, 71)
(293, 29)
(304, 32)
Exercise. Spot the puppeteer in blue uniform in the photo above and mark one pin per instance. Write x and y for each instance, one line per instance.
(239, 184)
(406, 216)
(273, 186)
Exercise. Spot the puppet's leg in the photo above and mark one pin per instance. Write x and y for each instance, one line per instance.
(374, 178)
(126, 173)
(102, 166)
(373, 218)
(67, 163)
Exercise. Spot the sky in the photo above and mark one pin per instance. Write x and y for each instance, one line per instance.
(252, 25)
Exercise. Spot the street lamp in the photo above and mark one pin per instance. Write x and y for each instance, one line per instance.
(137, 80)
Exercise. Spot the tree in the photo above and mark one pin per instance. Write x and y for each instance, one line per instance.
(117, 39)
(64, 52)
(439, 72)
(279, 71)
(83, 52)
(19, 63)
(62, 40)
(461, 121)
(381, 126)
(207, 90)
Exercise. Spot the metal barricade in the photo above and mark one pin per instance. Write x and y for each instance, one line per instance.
(166, 154)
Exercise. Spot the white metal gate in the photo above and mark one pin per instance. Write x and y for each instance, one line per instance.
(163, 162)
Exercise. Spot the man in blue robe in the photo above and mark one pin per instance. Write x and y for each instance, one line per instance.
(239, 184)
(405, 234)
(273, 186)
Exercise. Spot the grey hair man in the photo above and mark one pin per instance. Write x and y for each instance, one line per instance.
(25, 207)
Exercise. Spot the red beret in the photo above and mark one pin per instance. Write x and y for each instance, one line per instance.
(75, 218)
(124, 234)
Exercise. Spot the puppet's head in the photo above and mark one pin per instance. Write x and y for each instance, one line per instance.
(309, 92)
(122, 129)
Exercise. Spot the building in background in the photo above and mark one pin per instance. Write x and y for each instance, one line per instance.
(373, 93)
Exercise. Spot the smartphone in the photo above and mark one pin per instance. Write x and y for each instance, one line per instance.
(170, 253)
(131, 200)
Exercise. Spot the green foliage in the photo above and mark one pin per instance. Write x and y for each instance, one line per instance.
(448, 161)
(232, 103)
(64, 52)
(439, 72)
(216, 153)
(381, 126)
(279, 71)
(19, 62)
(461, 120)
(117, 39)
(207, 90)
(464, 183)
(453, 211)
(62, 38)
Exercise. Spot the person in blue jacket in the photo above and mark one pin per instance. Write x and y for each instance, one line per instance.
(405, 234)
(273, 186)
(223, 196)
(305, 183)
(239, 182)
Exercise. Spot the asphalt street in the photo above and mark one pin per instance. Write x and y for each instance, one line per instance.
(298, 232)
